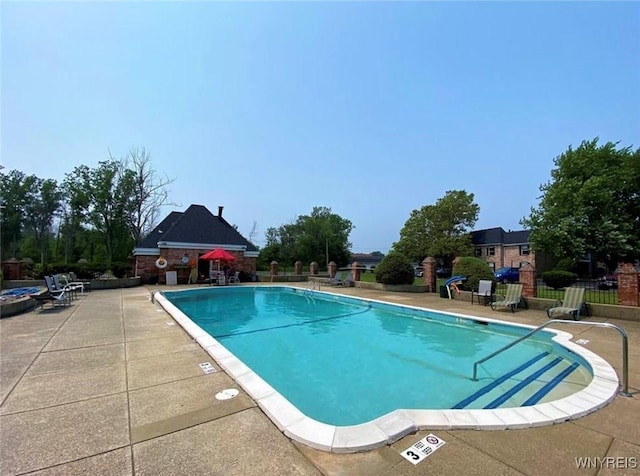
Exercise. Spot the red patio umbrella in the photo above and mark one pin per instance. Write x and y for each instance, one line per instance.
(219, 255)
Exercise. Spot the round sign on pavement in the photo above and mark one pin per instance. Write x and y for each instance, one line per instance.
(227, 393)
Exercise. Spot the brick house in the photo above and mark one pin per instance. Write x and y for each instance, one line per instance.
(502, 248)
(182, 237)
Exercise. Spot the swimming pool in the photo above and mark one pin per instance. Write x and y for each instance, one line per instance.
(349, 374)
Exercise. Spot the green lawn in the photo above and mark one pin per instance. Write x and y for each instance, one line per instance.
(370, 277)
(590, 295)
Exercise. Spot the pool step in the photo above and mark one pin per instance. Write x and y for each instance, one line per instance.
(497, 382)
(524, 386)
(536, 397)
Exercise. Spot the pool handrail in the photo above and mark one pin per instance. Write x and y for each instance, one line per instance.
(625, 348)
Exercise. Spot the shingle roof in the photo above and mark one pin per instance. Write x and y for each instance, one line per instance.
(497, 236)
(516, 237)
(157, 234)
(195, 225)
(490, 236)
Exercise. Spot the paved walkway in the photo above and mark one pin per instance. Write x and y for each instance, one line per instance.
(111, 386)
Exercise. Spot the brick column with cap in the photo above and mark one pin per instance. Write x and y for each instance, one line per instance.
(313, 268)
(628, 285)
(528, 280)
(274, 268)
(333, 268)
(355, 272)
(429, 273)
(298, 267)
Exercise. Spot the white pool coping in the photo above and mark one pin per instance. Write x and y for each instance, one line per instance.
(394, 425)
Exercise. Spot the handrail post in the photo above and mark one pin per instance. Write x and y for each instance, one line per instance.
(625, 348)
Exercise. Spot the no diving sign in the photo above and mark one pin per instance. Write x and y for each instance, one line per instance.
(423, 448)
(207, 368)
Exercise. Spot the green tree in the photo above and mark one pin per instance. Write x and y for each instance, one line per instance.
(271, 250)
(308, 238)
(319, 233)
(103, 195)
(591, 205)
(71, 246)
(441, 230)
(29, 207)
(279, 247)
(13, 198)
(41, 207)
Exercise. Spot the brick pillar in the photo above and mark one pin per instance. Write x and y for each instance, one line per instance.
(528, 280)
(298, 267)
(333, 268)
(313, 268)
(11, 269)
(355, 272)
(274, 268)
(628, 285)
(429, 273)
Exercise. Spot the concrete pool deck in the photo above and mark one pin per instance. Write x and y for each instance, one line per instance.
(111, 385)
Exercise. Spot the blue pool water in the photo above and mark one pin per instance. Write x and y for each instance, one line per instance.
(344, 361)
(17, 292)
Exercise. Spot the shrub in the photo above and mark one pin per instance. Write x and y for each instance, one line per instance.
(395, 268)
(474, 269)
(558, 278)
(566, 264)
(121, 269)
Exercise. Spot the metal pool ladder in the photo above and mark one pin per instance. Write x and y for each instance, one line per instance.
(625, 348)
(312, 285)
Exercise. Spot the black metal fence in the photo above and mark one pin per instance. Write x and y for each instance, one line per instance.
(595, 292)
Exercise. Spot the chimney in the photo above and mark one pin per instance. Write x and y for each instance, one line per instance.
(220, 207)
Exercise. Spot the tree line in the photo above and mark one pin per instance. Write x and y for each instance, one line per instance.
(589, 208)
(98, 214)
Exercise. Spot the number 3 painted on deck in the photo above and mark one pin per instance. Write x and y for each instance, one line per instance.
(413, 455)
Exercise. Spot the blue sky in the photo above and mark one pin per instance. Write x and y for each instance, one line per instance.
(370, 108)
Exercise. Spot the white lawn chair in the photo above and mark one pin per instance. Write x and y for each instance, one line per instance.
(571, 304)
(512, 298)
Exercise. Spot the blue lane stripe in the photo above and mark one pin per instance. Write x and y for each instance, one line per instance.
(497, 382)
(536, 397)
(516, 388)
(294, 324)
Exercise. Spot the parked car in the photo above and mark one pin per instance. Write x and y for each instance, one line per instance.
(507, 274)
(610, 281)
(418, 271)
